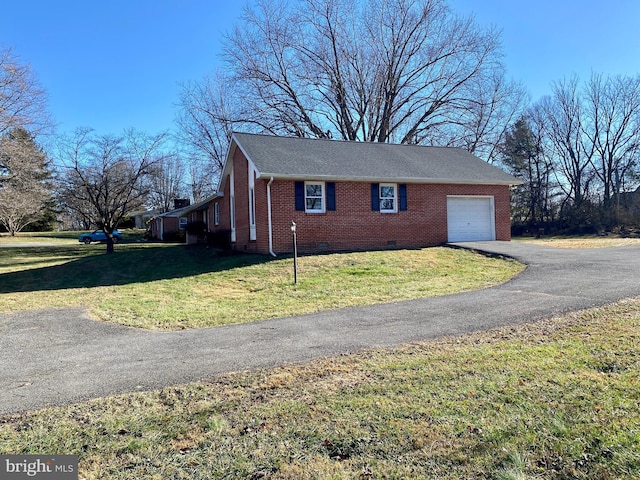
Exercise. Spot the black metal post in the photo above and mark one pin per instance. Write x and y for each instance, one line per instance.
(295, 253)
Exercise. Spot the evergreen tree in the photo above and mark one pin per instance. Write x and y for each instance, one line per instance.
(25, 191)
(522, 155)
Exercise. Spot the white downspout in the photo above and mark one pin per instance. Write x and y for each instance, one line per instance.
(269, 215)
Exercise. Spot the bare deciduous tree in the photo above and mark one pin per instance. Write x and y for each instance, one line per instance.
(107, 174)
(201, 107)
(379, 70)
(205, 129)
(591, 133)
(404, 71)
(482, 125)
(613, 112)
(166, 182)
(564, 120)
(23, 103)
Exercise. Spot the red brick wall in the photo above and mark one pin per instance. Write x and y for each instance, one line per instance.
(241, 191)
(353, 226)
(225, 205)
(262, 217)
(169, 225)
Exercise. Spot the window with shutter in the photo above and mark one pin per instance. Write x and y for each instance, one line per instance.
(388, 198)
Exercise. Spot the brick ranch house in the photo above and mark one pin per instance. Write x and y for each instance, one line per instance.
(355, 196)
(168, 225)
(165, 224)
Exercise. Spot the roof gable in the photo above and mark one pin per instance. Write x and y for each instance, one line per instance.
(311, 159)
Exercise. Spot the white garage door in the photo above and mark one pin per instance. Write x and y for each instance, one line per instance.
(470, 219)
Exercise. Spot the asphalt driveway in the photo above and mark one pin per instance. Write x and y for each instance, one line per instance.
(53, 357)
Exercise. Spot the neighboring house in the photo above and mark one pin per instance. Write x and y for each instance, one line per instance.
(198, 217)
(143, 217)
(355, 196)
(167, 226)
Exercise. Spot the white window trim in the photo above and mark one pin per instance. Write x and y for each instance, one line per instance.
(252, 201)
(216, 213)
(324, 198)
(182, 222)
(395, 197)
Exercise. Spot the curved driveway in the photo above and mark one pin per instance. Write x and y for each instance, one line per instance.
(53, 357)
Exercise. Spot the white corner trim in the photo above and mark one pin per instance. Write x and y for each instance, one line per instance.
(269, 217)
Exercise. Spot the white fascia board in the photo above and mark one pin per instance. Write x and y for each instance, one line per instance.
(233, 144)
(235, 140)
(252, 164)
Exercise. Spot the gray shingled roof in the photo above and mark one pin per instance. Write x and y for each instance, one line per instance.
(311, 159)
(180, 212)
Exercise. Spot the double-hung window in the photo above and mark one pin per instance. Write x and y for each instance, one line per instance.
(314, 197)
(216, 213)
(388, 198)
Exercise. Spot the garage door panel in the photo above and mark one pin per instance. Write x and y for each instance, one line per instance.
(470, 219)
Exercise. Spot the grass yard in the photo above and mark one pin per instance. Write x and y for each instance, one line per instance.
(165, 286)
(558, 399)
(49, 238)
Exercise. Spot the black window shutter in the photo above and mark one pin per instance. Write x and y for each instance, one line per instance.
(300, 196)
(402, 193)
(375, 197)
(331, 196)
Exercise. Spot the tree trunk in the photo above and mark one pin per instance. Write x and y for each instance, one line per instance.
(109, 242)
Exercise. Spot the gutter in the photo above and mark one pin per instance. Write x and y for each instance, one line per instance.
(418, 180)
(269, 216)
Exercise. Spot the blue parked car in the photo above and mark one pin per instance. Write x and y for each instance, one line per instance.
(99, 236)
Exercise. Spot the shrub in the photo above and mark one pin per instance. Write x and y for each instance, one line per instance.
(175, 236)
(220, 239)
(197, 227)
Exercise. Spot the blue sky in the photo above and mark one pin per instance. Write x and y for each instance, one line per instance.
(115, 64)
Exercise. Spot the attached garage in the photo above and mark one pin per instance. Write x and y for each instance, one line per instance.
(470, 218)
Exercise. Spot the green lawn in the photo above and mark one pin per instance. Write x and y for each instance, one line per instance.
(170, 286)
(558, 399)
